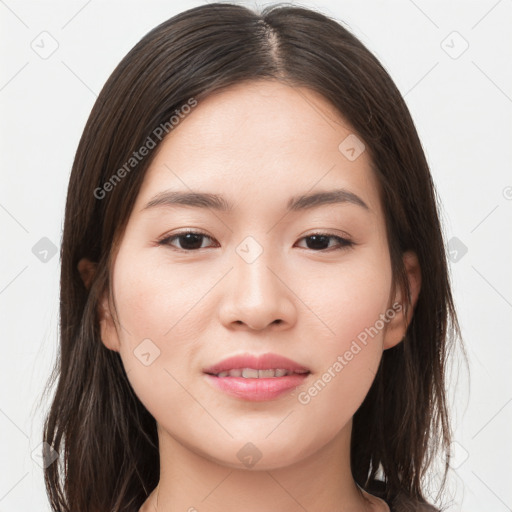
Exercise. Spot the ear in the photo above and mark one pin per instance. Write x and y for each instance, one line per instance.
(109, 335)
(397, 327)
(87, 268)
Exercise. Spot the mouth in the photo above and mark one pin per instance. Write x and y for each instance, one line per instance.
(256, 378)
(256, 366)
(253, 373)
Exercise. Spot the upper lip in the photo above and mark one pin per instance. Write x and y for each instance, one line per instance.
(266, 361)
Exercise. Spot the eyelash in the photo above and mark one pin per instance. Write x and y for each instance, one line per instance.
(344, 243)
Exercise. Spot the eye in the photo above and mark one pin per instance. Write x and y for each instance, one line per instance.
(318, 240)
(190, 241)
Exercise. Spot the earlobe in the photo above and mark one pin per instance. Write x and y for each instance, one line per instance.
(108, 331)
(396, 329)
(109, 337)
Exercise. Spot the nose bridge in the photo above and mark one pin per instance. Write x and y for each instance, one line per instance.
(252, 272)
(257, 295)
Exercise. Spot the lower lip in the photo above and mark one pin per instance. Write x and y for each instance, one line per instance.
(257, 390)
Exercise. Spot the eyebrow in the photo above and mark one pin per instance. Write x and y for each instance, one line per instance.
(170, 198)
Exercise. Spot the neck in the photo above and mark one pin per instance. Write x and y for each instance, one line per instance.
(192, 482)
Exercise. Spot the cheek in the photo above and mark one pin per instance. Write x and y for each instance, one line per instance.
(352, 304)
(348, 298)
(157, 312)
(156, 302)
(348, 363)
(157, 340)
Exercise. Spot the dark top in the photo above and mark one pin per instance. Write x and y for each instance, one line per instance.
(400, 502)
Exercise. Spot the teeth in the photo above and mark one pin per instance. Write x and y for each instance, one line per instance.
(269, 373)
(251, 373)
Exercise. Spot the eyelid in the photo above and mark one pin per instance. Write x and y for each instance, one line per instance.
(328, 232)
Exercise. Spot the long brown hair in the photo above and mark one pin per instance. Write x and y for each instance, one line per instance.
(107, 440)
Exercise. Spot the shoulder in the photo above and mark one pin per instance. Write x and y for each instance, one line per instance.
(400, 502)
(403, 503)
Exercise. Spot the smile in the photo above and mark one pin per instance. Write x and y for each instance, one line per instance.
(252, 373)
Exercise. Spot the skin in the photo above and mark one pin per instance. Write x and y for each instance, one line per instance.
(258, 144)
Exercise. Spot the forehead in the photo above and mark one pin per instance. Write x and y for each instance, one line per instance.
(261, 136)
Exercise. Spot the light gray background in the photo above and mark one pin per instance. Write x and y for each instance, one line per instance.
(461, 101)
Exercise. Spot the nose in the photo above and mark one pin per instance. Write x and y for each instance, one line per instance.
(257, 294)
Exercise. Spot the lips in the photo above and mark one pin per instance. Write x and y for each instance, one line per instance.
(256, 378)
(253, 367)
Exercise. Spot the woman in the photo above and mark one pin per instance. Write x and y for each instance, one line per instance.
(255, 305)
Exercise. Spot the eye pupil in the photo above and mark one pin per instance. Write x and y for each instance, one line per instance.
(318, 241)
(191, 241)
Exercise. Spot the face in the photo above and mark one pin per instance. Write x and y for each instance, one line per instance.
(311, 283)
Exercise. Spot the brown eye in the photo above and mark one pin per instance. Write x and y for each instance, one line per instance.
(320, 242)
(188, 240)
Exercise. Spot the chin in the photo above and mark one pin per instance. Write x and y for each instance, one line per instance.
(262, 455)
